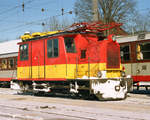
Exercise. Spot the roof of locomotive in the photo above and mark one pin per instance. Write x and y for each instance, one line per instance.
(133, 38)
(58, 34)
(9, 46)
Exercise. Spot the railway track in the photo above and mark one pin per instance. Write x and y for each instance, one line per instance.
(27, 116)
(27, 107)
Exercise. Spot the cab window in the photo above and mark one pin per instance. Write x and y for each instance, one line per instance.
(143, 51)
(69, 45)
(52, 48)
(125, 52)
(24, 52)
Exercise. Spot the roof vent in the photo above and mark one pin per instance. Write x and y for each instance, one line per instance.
(141, 36)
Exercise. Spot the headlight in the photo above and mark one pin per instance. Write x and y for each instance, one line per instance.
(117, 88)
(123, 74)
(99, 74)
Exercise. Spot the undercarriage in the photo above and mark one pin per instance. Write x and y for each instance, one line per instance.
(103, 89)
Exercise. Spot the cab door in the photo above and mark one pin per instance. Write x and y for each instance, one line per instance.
(24, 61)
(55, 59)
(71, 57)
(38, 64)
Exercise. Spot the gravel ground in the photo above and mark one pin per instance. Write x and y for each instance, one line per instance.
(28, 107)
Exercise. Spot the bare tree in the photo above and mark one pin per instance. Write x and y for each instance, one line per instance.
(54, 24)
(51, 24)
(108, 10)
(139, 23)
(115, 10)
(83, 10)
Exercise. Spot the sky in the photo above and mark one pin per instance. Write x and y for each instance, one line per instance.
(14, 22)
(143, 5)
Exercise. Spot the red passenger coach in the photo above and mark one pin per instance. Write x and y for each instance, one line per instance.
(78, 61)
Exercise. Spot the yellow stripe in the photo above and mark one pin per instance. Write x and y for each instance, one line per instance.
(55, 71)
(24, 72)
(113, 73)
(38, 72)
(69, 71)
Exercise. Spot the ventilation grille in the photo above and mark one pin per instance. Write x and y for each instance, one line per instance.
(113, 55)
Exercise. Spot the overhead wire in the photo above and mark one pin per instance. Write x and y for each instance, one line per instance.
(37, 22)
(25, 24)
(12, 9)
(4, 19)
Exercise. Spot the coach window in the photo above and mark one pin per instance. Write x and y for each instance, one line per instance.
(143, 51)
(125, 52)
(4, 64)
(70, 45)
(52, 48)
(24, 52)
(11, 63)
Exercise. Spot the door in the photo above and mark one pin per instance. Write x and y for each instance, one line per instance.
(24, 61)
(38, 64)
(71, 58)
(143, 58)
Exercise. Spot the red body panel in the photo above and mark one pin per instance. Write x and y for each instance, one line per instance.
(97, 50)
(37, 53)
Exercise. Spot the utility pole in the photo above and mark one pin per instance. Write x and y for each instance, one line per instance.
(95, 10)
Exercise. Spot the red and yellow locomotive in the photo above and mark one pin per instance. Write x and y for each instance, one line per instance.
(78, 61)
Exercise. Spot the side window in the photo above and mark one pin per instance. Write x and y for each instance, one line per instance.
(143, 51)
(4, 64)
(16, 62)
(70, 45)
(83, 54)
(8, 63)
(49, 48)
(55, 47)
(125, 52)
(11, 63)
(52, 48)
(24, 52)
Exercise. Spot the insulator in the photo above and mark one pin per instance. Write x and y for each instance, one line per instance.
(76, 12)
(62, 10)
(43, 24)
(23, 7)
(70, 12)
(42, 9)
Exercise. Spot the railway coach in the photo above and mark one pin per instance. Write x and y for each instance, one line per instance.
(135, 57)
(79, 61)
(8, 62)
